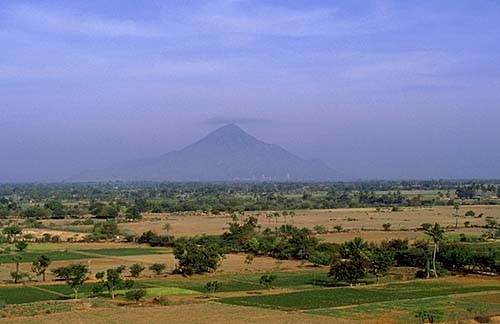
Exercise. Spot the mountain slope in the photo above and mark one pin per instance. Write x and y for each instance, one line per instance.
(226, 154)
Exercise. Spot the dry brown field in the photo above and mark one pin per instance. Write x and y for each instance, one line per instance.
(364, 222)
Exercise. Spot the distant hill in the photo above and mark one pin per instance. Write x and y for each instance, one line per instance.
(226, 154)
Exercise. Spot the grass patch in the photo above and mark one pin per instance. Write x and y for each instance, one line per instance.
(125, 251)
(21, 295)
(53, 256)
(169, 291)
(248, 282)
(327, 298)
(442, 308)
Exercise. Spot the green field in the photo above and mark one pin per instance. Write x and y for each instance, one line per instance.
(21, 295)
(345, 296)
(311, 293)
(53, 255)
(406, 310)
(70, 255)
(125, 251)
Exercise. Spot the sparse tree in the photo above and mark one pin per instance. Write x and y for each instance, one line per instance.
(113, 280)
(136, 269)
(158, 268)
(21, 246)
(74, 275)
(136, 294)
(167, 227)
(17, 275)
(12, 232)
(40, 265)
(213, 286)
(267, 280)
(386, 226)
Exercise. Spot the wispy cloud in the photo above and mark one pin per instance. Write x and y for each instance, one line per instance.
(229, 16)
(65, 21)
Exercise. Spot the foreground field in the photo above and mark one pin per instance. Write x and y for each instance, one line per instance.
(296, 298)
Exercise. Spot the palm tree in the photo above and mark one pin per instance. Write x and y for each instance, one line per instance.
(292, 215)
(456, 206)
(436, 233)
(269, 217)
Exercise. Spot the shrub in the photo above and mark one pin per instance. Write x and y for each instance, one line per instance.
(158, 268)
(136, 269)
(320, 229)
(136, 294)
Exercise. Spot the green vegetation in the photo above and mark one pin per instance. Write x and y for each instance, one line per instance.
(124, 251)
(54, 256)
(129, 200)
(344, 296)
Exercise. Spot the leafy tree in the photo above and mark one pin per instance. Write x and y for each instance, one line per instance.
(354, 262)
(213, 286)
(136, 269)
(320, 258)
(12, 232)
(249, 259)
(158, 268)
(113, 280)
(105, 230)
(21, 246)
(338, 228)
(17, 275)
(74, 275)
(136, 294)
(40, 265)
(55, 206)
(380, 262)
(194, 258)
(267, 280)
(105, 211)
(436, 233)
(35, 212)
(133, 213)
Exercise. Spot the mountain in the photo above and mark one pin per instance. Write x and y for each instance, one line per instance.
(226, 154)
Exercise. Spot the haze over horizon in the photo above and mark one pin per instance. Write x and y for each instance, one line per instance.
(376, 89)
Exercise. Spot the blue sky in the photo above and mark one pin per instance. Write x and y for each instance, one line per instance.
(377, 89)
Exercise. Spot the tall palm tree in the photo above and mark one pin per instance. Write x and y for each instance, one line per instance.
(456, 206)
(436, 234)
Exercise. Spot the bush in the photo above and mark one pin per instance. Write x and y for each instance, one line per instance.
(320, 229)
(136, 269)
(158, 268)
(136, 294)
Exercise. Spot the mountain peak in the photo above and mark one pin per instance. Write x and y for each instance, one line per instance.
(226, 154)
(229, 136)
(229, 130)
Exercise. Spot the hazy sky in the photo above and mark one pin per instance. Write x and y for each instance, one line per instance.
(377, 89)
